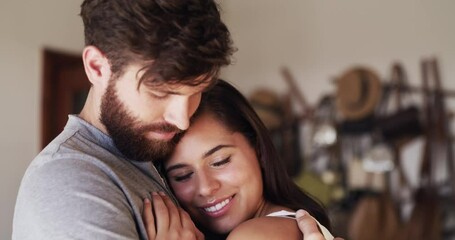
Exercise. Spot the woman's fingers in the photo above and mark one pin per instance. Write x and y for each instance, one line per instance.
(161, 213)
(173, 212)
(181, 224)
(148, 219)
(185, 219)
(170, 223)
(187, 223)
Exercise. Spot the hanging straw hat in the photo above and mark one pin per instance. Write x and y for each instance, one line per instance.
(358, 93)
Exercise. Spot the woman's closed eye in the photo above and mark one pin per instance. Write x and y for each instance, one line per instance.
(182, 177)
(186, 175)
(222, 162)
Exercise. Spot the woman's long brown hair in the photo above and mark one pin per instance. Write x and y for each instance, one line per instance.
(234, 111)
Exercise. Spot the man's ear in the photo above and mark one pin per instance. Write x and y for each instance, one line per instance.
(96, 66)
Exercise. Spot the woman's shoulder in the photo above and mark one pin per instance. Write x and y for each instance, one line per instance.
(267, 228)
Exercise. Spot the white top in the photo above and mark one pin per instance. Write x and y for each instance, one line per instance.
(287, 214)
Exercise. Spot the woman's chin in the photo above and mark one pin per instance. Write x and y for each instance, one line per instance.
(222, 227)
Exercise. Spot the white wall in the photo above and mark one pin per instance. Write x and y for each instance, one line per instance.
(25, 28)
(316, 39)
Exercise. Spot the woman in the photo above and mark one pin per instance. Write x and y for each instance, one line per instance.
(226, 173)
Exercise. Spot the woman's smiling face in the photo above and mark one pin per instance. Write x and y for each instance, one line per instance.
(215, 175)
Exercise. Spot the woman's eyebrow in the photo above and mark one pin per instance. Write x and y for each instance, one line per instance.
(215, 149)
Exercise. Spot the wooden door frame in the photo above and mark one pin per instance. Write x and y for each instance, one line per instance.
(53, 61)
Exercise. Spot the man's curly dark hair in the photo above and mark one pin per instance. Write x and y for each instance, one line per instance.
(180, 39)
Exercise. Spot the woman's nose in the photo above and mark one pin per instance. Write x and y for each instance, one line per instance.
(208, 185)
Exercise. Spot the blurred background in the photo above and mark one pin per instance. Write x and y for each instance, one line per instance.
(323, 75)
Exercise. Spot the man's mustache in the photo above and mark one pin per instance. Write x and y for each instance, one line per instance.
(160, 127)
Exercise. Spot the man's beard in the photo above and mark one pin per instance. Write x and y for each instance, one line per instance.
(129, 135)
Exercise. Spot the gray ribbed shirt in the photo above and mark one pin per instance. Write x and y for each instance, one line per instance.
(81, 187)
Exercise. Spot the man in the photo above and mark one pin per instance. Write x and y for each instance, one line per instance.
(148, 62)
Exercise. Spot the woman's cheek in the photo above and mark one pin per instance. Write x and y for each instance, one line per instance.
(184, 192)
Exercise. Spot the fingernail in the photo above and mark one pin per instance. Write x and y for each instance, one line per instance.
(146, 200)
(300, 213)
(162, 193)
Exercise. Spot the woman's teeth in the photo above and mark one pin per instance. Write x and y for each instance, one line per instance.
(218, 206)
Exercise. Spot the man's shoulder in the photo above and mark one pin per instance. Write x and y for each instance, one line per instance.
(80, 142)
(52, 175)
(67, 191)
(267, 228)
(69, 162)
(80, 186)
(70, 151)
(58, 161)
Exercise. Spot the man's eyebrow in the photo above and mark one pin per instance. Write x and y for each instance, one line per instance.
(170, 92)
(165, 91)
(206, 154)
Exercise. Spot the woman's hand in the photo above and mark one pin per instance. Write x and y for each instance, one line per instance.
(309, 227)
(165, 221)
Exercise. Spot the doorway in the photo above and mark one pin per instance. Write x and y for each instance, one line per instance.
(65, 88)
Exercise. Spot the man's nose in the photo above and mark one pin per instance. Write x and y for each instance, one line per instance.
(180, 110)
(178, 114)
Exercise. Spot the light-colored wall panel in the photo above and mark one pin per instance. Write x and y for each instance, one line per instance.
(25, 28)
